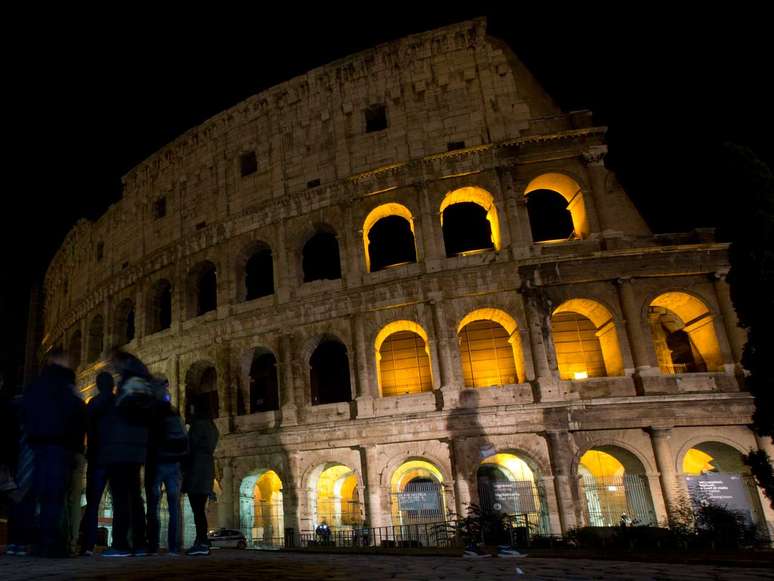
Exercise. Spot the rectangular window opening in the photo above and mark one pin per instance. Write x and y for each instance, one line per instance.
(248, 163)
(376, 118)
(160, 207)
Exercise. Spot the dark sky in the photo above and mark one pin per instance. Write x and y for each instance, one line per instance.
(89, 95)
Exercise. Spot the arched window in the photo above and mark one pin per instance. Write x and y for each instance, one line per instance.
(402, 359)
(96, 339)
(264, 393)
(469, 221)
(261, 510)
(201, 390)
(259, 273)
(487, 355)
(388, 235)
(74, 349)
(556, 208)
(321, 259)
(585, 340)
(203, 289)
(329, 373)
(159, 313)
(124, 323)
(335, 496)
(683, 334)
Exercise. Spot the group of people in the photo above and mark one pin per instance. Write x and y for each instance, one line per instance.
(128, 436)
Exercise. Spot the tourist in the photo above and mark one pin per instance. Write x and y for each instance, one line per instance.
(168, 447)
(96, 473)
(200, 470)
(54, 420)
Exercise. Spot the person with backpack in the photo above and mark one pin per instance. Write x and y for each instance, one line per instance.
(123, 451)
(168, 447)
(199, 470)
(96, 473)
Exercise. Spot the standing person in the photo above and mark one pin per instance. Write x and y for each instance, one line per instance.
(123, 451)
(200, 470)
(54, 420)
(168, 446)
(96, 473)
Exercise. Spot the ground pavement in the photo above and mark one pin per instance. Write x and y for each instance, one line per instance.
(232, 564)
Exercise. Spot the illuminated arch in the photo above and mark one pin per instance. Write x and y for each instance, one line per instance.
(261, 509)
(586, 340)
(480, 197)
(571, 191)
(417, 493)
(683, 333)
(403, 359)
(378, 213)
(483, 334)
(335, 496)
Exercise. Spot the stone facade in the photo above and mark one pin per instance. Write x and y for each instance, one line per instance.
(460, 112)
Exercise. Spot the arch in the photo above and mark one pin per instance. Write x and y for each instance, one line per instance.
(124, 322)
(202, 289)
(159, 306)
(393, 243)
(475, 225)
(490, 348)
(321, 258)
(403, 359)
(329, 373)
(201, 388)
(417, 493)
(335, 496)
(263, 386)
(74, 348)
(261, 506)
(615, 485)
(571, 191)
(258, 271)
(586, 340)
(96, 342)
(683, 332)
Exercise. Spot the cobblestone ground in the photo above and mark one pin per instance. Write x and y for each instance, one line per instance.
(225, 565)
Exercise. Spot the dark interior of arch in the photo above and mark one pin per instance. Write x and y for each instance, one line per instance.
(264, 393)
(125, 323)
(329, 373)
(259, 274)
(391, 242)
(549, 217)
(201, 394)
(321, 260)
(161, 308)
(74, 352)
(683, 353)
(207, 291)
(466, 228)
(96, 339)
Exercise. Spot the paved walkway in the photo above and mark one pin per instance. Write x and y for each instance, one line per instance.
(225, 565)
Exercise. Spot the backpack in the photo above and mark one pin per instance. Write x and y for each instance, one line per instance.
(136, 399)
(173, 439)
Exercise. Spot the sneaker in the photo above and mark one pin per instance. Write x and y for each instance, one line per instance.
(474, 552)
(116, 553)
(87, 553)
(173, 554)
(506, 552)
(11, 550)
(141, 552)
(198, 550)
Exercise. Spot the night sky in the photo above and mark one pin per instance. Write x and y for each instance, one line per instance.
(87, 96)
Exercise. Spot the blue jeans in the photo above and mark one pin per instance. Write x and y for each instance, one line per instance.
(167, 474)
(96, 480)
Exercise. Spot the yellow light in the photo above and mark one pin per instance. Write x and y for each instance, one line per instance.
(581, 375)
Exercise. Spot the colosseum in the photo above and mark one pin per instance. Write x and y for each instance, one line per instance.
(407, 282)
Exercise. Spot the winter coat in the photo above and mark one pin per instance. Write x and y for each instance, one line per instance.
(124, 438)
(98, 424)
(199, 470)
(52, 413)
(168, 439)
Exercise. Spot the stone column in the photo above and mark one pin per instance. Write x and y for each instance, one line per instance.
(462, 495)
(226, 403)
(287, 389)
(432, 241)
(537, 323)
(662, 450)
(737, 337)
(284, 270)
(598, 202)
(560, 449)
(226, 498)
(367, 389)
(446, 366)
(369, 459)
(643, 354)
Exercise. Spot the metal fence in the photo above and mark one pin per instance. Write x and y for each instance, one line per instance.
(609, 498)
(419, 503)
(522, 500)
(414, 536)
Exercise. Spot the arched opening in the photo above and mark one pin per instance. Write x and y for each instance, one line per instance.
(259, 273)
(329, 373)
(469, 222)
(261, 509)
(124, 323)
(586, 340)
(490, 349)
(74, 349)
(336, 497)
(388, 235)
(201, 390)
(403, 359)
(264, 388)
(683, 333)
(203, 289)
(96, 339)
(321, 260)
(508, 484)
(417, 492)
(715, 473)
(556, 208)
(615, 486)
(159, 312)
